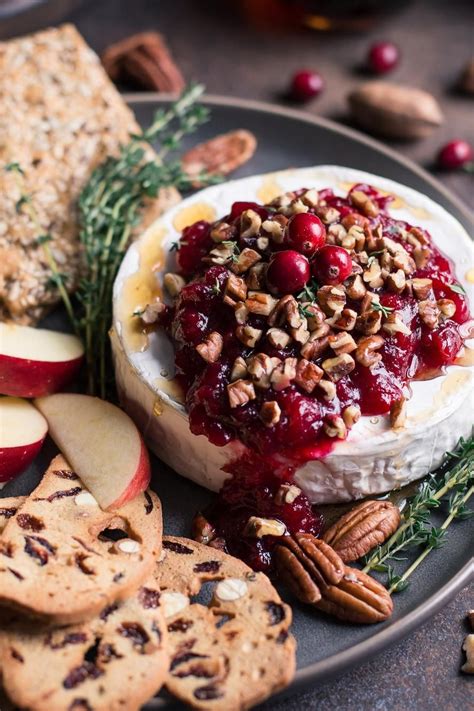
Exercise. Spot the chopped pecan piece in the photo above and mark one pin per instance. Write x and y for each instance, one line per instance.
(236, 288)
(362, 528)
(419, 234)
(351, 414)
(335, 233)
(222, 254)
(256, 276)
(447, 307)
(373, 275)
(421, 288)
(263, 243)
(286, 494)
(246, 259)
(260, 368)
(258, 527)
(396, 282)
(241, 312)
(275, 229)
(240, 392)
(270, 413)
(152, 311)
(329, 389)
(342, 343)
(284, 374)
(239, 369)
(248, 335)
(355, 288)
(327, 214)
(357, 234)
(369, 322)
(345, 320)
(394, 324)
(429, 313)
(173, 283)
(332, 299)
(336, 368)
(202, 530)
(403, 261)
(315, 346)
(250, 223)
(310, 198)
(366, 351)
(314, 315)
(286, 312)
(368, 301)
(364, 203)
(278, 338)
(258, 302)
(398, 414)
(308, 375)
(211, 348)
(421, 255)
(223, 232)
(334, 426)
(300, 334)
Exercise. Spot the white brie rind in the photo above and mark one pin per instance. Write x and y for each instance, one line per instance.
(374, 458)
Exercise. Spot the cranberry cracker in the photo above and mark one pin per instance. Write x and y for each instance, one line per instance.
(308, 335)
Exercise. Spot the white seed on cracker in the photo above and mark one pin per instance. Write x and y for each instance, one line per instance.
(85, 498)
(231, 589)
(128, 545)
(173, 602)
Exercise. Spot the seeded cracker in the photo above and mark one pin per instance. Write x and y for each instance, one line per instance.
(60, 116)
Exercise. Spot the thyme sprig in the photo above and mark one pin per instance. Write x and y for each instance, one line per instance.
(454, 478)
(385, 310)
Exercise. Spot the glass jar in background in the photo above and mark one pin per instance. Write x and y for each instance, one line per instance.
(322, 15)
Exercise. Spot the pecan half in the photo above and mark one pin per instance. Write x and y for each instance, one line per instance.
(367, 525)
(221, 155)
(357, 598)
(145, 59)
(307, 566)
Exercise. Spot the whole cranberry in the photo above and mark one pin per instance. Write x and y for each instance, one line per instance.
(455, 154)
(305, 233)
(383, 57)
(306, 84)
(332, 265)
(288, 272)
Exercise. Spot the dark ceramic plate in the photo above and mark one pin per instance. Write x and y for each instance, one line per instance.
(289, 138)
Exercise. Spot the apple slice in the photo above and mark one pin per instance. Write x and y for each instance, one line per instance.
(22, 431)
(35, 361)
(101, 443)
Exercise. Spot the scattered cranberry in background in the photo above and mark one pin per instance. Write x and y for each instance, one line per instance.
(305, 233)
(455, 154)
(305, 85)
(288, 272)
(383, 57)
(332, 265)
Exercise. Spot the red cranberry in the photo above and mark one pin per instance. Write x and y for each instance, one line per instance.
(332, 265)
(440, 347)
(288, 272)
(240, 206)
(194, 244)
(455, 154)
(305, 233)
(306, 84)
(383, 57)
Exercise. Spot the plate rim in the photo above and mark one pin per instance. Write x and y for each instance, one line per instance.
(362, 651)
(322, 121)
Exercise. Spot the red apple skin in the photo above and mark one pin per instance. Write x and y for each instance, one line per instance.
(139, 482)
(23, 377)
(13, 460)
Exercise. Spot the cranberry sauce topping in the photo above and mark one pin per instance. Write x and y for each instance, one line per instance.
(297, 318)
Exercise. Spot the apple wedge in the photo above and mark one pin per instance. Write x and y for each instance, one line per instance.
(101, 443)
(35, 361)
(22, 432)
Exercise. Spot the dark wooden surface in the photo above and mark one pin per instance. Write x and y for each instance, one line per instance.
(212, 45)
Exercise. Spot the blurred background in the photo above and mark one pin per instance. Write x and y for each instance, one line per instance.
(253, 48)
